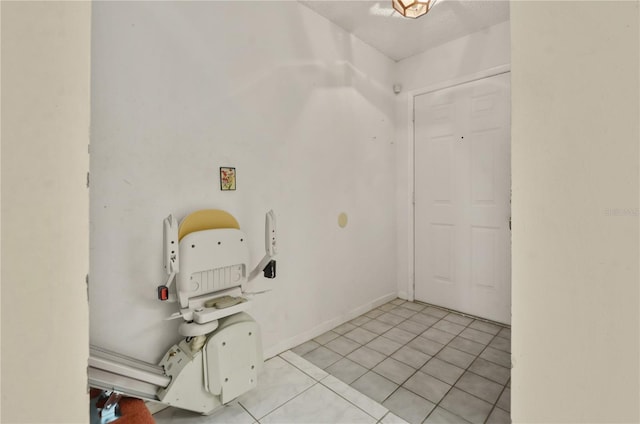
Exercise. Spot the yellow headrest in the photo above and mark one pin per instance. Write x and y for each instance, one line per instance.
(206, 219)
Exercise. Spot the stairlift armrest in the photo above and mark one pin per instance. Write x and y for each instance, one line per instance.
(270, 244)
(270, 240)
(170, 256)
(170, 235)
(170, 279)
(260, 267)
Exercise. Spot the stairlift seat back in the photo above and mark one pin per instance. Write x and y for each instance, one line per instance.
(206, 219)
(211, 261)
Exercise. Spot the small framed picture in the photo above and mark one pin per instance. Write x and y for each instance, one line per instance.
(227, 178)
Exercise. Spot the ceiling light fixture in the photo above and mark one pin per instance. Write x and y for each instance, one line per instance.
(412, 8)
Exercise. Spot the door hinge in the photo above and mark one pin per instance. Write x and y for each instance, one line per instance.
(88, 180)
(413, 198)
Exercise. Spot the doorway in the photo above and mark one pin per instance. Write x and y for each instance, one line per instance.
(462, 183)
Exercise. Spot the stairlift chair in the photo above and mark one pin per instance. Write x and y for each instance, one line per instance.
(207, 255)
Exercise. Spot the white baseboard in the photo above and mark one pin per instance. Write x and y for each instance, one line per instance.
(326, 326)
(403, 295)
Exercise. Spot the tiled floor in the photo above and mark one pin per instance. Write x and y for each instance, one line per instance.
(292, 390)
(423, 363)
(402, 362)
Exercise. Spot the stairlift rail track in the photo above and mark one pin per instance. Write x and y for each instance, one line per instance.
(114, 372)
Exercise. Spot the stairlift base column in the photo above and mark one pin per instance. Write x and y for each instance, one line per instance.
(233, 357)
(225, 368)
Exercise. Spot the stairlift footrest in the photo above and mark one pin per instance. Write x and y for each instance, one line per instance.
(204, 315)
(224, 302)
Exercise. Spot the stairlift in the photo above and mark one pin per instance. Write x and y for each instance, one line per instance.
(206, 258)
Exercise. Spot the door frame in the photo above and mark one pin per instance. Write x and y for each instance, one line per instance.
(411, 95)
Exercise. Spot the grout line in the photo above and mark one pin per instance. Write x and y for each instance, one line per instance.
(283, 404)
(375, 401)
(340, 395)
(495, 405)
(247, 411)
(306, 372)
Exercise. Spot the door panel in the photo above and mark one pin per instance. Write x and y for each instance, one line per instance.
(440, 166)
(462, 198)
(483, 172)
(442, 252)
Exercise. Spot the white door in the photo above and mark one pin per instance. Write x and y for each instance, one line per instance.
(462, 198)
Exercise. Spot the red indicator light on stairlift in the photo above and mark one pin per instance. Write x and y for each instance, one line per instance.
(163, 292)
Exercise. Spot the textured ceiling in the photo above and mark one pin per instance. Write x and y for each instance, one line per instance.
(377, 24)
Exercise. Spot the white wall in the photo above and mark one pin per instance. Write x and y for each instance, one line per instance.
(575, 103)
(45, 242)
(303, 111)
(465, 56)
